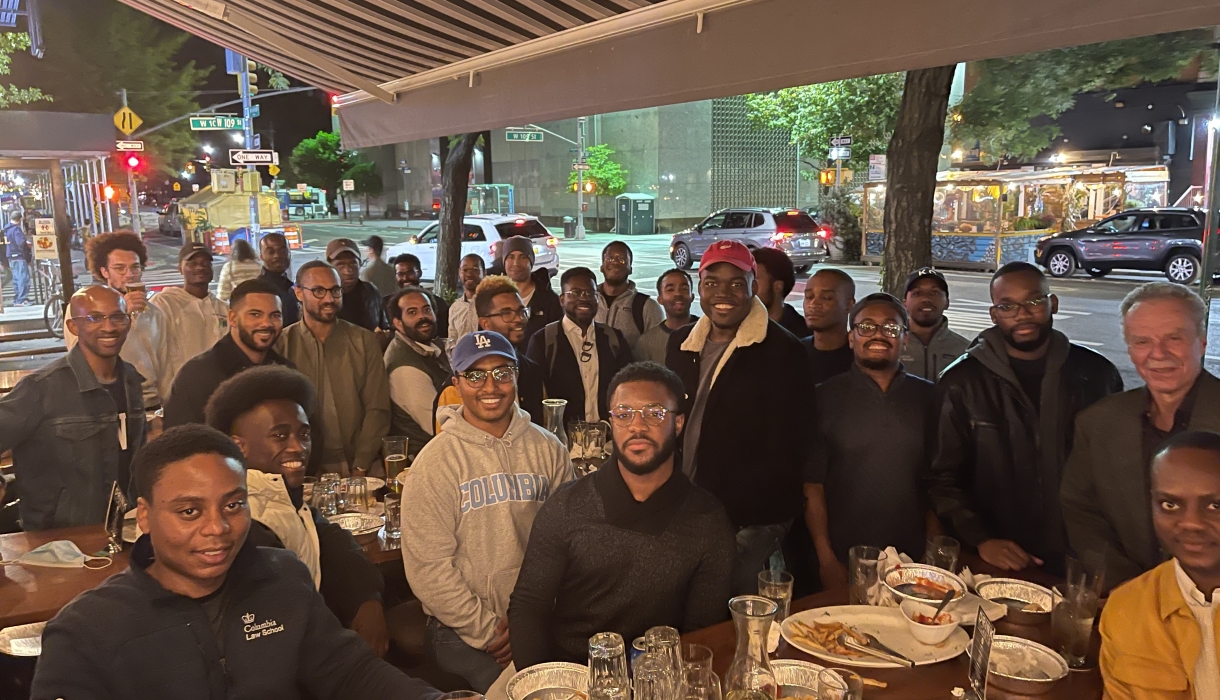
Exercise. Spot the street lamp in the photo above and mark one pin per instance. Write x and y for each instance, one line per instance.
(238, 137)
(207, 148)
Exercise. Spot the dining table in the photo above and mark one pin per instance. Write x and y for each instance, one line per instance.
(36, 593)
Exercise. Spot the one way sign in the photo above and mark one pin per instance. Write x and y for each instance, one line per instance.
(253, 157)
(839, 141)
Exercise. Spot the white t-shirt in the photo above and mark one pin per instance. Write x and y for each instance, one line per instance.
(588, 369)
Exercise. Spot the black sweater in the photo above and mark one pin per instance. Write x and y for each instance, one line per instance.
(599, 561)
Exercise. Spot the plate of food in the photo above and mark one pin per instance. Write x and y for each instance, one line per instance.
(363, 526)
(922, 583)
(372, 483)
(556, 680)
(817, 631)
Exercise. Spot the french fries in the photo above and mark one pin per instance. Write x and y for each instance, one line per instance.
(825, 636)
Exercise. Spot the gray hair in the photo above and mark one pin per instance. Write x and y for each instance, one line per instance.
(1152, 291)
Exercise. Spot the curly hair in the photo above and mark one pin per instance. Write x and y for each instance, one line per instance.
(175, 445)
(99, 248)
(245, 390)
(489, 289)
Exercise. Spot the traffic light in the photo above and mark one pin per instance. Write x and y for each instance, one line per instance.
(133, 162)
(252, 70)
(826, 177)
(590, 186)
(108, 192)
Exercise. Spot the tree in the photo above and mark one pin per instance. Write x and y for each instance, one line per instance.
(605, 176)
(323, 162)
(10, 43)
(455, 180)
(366, 179)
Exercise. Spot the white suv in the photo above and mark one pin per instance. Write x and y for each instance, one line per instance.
(481, 234)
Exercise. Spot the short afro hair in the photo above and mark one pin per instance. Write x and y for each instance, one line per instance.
(476, 257)
(651, 372)
(392, 309)
(575, 272)
(1018, 267)
(490, 288)
(843, 278)
(619, 244)
(407, 259)
(175, 445)
(313, 265)
(674, 271)
(99, 248)
(245, 390)
(778, 265)
(257, 285)
(273, 236)
(883, 299)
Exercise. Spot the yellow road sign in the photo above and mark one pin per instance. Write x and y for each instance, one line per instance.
(177, 186)
(273, 169)
(127, 121)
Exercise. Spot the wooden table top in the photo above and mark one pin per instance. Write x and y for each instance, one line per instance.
(36, 593)
(379, 551)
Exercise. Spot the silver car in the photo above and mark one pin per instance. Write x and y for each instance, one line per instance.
(793, 231)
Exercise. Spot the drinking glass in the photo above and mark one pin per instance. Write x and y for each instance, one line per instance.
(1076, 608)
(942, 552)
(666, 643)
(325, 500)
(356, 495)
(308, 484)
(696, 656)
(655, 678)
(119, 505)
(462, 695)
(864, 571)
(840, 684)
(576, 433)
(701, 683)
(776, 585)
(142, 289)
(393, 516)
(608, 667)
(394, 449)
(595, 445)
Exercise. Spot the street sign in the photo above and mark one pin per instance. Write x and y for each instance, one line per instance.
(219, 122)
(580, 166)
(177, 186)
(840, 141)
(127, 121)
(240, 156)
(258, 140)
(194, 187)
(876, 168)
(302, 187)
(840, 153)
(273, 169)
(253, 112)
(518, 135)
(235, 63)
(129, 145)
(46, 247)
(349, 185)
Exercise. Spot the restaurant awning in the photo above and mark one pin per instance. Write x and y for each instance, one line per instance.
(415, 69)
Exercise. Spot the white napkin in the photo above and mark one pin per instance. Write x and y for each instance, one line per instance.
(892, 559)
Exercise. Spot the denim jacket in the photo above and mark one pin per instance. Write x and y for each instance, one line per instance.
(62, 427)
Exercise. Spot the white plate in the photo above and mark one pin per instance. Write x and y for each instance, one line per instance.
(887, 625)
(373, 483)
(358, 523)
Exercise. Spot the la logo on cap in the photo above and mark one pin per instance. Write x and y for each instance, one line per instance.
(481, 341)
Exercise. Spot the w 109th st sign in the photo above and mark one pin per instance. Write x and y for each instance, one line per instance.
(217, 123)
(253, 157)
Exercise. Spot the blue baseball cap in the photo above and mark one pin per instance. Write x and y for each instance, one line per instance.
(475, 346)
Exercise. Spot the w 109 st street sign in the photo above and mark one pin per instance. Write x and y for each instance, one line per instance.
(217, 123)
(517, 135)
(253, 157)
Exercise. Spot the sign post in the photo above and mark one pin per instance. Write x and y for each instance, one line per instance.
(580, 179)
(128, 121)
(840, 150)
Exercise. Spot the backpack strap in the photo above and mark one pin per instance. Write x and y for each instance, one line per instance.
(637, 310)
(550, 336)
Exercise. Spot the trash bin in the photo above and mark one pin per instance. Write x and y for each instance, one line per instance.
(635, 214)
(569, 227)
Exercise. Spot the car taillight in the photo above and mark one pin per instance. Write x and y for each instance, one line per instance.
(552, 242)
(780, 236)
(519, 222)
(824, 233)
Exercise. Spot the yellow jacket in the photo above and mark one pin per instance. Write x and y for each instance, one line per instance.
(1150, 641)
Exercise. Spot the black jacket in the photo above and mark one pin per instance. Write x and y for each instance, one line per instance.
(200, 376)
(997, 461)
(544, 306)
(363, 307)
(288, 298)
(130, 638)
(531, 387)
(793, 321)
(561, 368)
(757, 423)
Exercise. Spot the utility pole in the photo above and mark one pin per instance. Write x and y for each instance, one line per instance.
(243, 80)
(580, 179)
(133, 198)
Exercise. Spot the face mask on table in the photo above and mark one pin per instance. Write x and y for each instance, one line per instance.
(63, 554)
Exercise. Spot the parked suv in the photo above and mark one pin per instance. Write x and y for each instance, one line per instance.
(481, 234)
(1167, 239)
(790, 230)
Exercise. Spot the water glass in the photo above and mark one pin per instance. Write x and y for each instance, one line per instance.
(356, 495)
(325, 499)
(840, 684)
(308, 484)
(1075, 609)
(701, 683)
(595, 444)
(777, 586)
(666, 643)
(864, 571)
(608, 667)
(393, 516)
(394, 450)
(655, 678)
(696, 656)
(942, 552)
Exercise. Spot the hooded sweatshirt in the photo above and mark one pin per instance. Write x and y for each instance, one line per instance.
(196, 325)
(469, 504)
(271, 505)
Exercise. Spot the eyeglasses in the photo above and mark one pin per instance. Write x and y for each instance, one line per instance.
(586, 351)
(510, 315)
(1010, 309)
(580, 294)
(124, 269)
(653, 414)
(500, 375)
(868, 329)
(118, 318)
(619, 259)
(321, 292)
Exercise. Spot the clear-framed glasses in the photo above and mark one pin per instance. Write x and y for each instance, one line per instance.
(500, 375)
(118, 318)
(615, 258)
(868, 329)
(510, 315)
(1010, 309)
(653, 414)
(586, 351)
(124, 269)
(321, 292)
(581, 294)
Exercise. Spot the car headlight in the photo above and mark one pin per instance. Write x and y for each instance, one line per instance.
(1044, 239)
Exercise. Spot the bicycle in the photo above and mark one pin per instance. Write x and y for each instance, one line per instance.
(53, 309)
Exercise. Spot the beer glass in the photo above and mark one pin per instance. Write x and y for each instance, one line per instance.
(394, 448)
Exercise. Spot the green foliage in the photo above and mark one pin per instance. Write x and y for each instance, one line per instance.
(365, 177)
(1008, 109)
(607, 175)
(840, 210)
(863, 108)
(10, 43)
(322, 162)
(275, 79)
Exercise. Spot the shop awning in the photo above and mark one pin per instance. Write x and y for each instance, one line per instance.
(414, 69)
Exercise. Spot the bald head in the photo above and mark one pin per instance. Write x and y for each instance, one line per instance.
(95, 296)
(98, 317)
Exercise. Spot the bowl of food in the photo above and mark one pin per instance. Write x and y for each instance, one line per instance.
(363, 526)
(1027, 603)
(796, 679)
(925, 628)
(922, 584)
(1022, 667)
(557, 680)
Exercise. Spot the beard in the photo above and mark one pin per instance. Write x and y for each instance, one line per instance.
(1044, 334)
(421, 337)
(247, 338)
(878, 363)
(662, 455)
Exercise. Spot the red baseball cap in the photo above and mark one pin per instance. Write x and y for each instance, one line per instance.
(730, 252)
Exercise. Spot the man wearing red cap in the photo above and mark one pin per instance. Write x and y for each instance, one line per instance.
(748, 388)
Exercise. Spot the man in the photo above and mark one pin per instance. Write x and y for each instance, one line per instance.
(664, 547)
(197, 317)
(277, 258)
(417, 367)
(344, 362)
(255, 322)
(1104, 481)
(744, 376)
(517, 255)
(472, 497)
(74, 424)
(501, 310)
(17, 257)
(674, 294)
(864, 484)
(408, 272)
(463, 318)
(362, 304)
(377, 272)
(1158, 632)
(202, 611)
(578, 355)
(265, 411)
(931, 346)
(1005, 414)
(776, 278)
(619, 304)
(829, 294)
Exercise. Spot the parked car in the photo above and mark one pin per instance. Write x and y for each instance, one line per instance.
(169, 222)
(793, 231)
(1167, 239)
(481, 234)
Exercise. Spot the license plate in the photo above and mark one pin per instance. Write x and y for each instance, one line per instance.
(801, 243)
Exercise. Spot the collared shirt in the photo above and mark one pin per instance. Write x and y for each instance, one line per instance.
(463, 319)
(288, 298)
(585, 342)
(1206, 671)
(1152, 436)
(198, 324)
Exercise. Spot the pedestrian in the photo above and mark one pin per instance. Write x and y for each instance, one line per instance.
(417, 367)
(376, 270)
(472, 496)
(829, 294)
(463, 317)
(861, 489)
(578, 355)
(344, 362)
(776, 279)
(1105, 504)
(1006, 413)
(744, 375)
(517, 256)
(664, 547)
(277, 263)
(407, 273)
(362, 303)
(619, 304)
(931, 346)
(197, 317)
(17, 258)
(242, 265)
(674, 295)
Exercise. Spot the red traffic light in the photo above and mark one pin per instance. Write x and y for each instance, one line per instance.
(133, 161)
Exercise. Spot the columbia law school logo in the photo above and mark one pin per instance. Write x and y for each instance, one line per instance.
(262, 629)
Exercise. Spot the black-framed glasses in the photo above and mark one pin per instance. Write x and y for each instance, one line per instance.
(500, 375)
(586, 351)
(1010, 309)
(580, 294)
(653, 414)
(321, 292)
(510, 315)
(868, 329)
(615, 258)
(118, 318)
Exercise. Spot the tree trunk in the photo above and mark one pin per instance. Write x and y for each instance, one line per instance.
(912, 156)
(455, 178)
